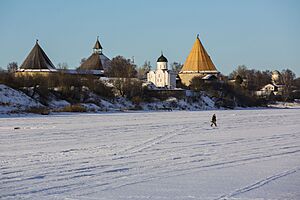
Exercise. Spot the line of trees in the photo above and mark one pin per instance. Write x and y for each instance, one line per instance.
(239, 87)
(127, 80)
(257, 79)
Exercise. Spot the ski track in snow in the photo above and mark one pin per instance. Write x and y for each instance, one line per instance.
(79, 156)
(258, 184)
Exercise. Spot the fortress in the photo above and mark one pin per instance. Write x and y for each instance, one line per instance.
(198, 63)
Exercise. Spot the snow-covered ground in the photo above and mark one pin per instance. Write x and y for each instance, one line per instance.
(253, 154)
(285, 105)
(15, 101)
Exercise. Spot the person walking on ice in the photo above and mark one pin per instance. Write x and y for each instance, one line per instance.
(213, 120)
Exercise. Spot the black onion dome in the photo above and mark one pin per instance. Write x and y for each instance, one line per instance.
(162, 59)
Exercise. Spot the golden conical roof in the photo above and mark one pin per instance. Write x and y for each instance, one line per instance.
(198, 60)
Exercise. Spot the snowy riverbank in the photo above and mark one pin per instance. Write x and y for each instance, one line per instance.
(17, 102)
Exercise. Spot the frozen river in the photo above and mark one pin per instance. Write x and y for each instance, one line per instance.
(253, 154)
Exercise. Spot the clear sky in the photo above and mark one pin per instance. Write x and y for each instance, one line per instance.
(261, 34)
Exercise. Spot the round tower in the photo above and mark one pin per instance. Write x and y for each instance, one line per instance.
(162, 62)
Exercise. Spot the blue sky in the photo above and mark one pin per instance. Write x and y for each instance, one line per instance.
(261, 34)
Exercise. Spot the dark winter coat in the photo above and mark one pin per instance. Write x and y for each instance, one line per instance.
(214, 118)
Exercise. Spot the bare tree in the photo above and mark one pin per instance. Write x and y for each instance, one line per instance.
(197, 83)
(143, 70)
(127, 87)
(176, 66)
(288, 77)
(296, 83)
(63, 66)
(12, 67)
(122, 68)
(255, 78)
(262, 78)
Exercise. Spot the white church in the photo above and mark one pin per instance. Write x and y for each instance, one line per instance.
(162, 77)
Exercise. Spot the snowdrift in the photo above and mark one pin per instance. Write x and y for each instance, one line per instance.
(14, 101)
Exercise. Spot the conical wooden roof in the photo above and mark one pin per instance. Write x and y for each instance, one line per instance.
(37, 59)
(92, 63)
(97, 44)
(105, 61)
(198, 60)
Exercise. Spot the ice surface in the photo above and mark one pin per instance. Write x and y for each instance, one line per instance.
(253, 154)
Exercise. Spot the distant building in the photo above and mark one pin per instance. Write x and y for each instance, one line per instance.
(209, 77)
(37, 62)
(96, 63)
(106, 62)
(275, 88)
(270, 89)
(162, 77)
(197, 64)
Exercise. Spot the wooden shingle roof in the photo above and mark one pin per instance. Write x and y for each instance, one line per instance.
(97, 44)
(92, 63)
(37, 59)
